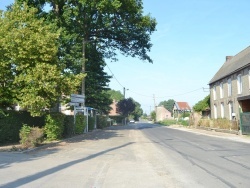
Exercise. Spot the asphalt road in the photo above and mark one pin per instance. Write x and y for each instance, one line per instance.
(138, 155)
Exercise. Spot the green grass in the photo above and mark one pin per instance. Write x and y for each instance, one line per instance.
(173, 122)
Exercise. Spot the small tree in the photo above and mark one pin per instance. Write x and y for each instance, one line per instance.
(125, 106)
(202, 105)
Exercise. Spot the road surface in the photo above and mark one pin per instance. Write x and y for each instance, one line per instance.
(137, 155)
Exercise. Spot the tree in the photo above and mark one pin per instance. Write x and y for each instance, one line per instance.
(115, 95)
(137, 113)
(30, 73)
(153, 115)
(202, 105)
(109, 26)
(169, 104)
(125, 106)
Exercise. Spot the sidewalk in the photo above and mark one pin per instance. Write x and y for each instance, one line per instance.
(234, 137)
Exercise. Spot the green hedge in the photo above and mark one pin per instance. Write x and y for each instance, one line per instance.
(102, 122)
(80, 123)
(11, 123)
(68, 126)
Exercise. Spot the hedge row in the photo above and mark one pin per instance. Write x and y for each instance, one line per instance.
(55, 125)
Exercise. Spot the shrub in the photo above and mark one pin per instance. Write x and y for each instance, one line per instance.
(80, 123)
(68, 126)
(31, 136)
(11, 122)
(204, 122)
(102, 122)
(168, 122)
(54, 126)
(91, 123)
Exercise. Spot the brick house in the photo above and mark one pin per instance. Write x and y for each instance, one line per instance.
(230, 87)
(162, 113)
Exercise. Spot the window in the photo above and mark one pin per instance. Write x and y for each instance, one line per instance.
(239, 84)
(221, 90)
(229, 87)
(230, 105)
(222, 110)
(214, 92)
(215, 111)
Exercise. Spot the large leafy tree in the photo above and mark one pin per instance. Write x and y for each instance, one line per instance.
(169, 104)
(126, 106)
(108, 25)
(202, 105)
(31, 75)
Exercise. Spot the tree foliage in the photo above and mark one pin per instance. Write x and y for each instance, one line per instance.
(105, 26)
(30, 74)
(202, 105)
(169, 104)
(125, 106)
(115, 95)
(137, 113)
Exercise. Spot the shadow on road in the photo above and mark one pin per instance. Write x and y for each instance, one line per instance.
(28, 179)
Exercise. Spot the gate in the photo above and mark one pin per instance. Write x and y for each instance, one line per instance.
(245, 122)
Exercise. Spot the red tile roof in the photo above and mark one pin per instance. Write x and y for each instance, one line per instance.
(183, 106)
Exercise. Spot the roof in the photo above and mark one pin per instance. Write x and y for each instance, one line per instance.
(236, 63)
(182, 106)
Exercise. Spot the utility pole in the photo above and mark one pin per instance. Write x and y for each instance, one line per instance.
(124, 91)
(83, 68)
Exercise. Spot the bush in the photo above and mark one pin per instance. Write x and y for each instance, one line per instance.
(54, 126)
(31, 136)
(11, 122)
(204, 123)
(91, 123)
(68, 130)
(102, 122)
(80, 123)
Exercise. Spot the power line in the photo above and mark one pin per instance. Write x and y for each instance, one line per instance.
(148, 95)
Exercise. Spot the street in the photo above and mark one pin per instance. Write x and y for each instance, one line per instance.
(136, 155)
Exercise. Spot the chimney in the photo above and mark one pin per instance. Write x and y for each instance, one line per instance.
(229, 58)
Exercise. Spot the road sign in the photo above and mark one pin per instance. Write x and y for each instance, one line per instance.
(74, 104)
(77, 98)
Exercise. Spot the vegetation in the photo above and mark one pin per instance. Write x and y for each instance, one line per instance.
(115, 95)
(94, 30)
(153, 115)
(30, 73)
(202, 105)
(137, 113)
(31, 136)
(169, 105)
(174, 122)
(54, 125)
(80, 123)
(126, 107)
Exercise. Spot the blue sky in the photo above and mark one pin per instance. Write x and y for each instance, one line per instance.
(191, 42)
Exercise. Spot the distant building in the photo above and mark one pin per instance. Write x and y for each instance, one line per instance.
(181, 107)
(162, 113)
(113, 111)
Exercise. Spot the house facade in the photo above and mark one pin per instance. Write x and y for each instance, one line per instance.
(230, 87)
(162, 113)
(180, 108)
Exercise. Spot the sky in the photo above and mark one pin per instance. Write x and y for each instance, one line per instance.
(191, 42)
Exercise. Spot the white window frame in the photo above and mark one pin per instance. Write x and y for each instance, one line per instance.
(239, 83)
(215, 111)
(229, 87)
(214, 92)
(221, 90)
(222, 110)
